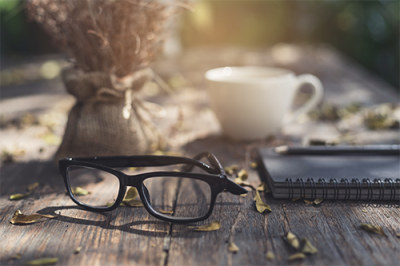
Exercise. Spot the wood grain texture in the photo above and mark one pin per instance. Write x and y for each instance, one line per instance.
(130, 236)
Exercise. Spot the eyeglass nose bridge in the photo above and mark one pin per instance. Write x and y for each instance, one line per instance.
(130, 180)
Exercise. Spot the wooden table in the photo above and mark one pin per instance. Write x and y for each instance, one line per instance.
(131, 236)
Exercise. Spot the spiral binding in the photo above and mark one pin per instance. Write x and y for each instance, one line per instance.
(387, 185)
(335, 188)
(313, 187)
(347, 188)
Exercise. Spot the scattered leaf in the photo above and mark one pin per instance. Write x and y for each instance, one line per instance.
(318, 201)
(18, 196)
(270, 255)
(33, 186)
(253, 165)
(309, 202)
(166, 211)
(52, 139)
(230, 170)
(299, 197)
(233, 248)
(78, 249)
(30, 188)
(260, 205)
(263, 187)
(364, 211)
(133, 203)
(297, 256)
(19, 218)
(308, 247)
(16, 256)
(78, 191)
(242, 183)
(373, 228)
(292, 240)
(243, 175)
(243, 195)
(208, 227)
(130, 199)
(42, 261)
(131, 194)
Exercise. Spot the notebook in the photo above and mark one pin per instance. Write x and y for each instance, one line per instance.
(341, 176)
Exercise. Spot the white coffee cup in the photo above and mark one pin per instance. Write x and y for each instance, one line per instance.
(254, 102)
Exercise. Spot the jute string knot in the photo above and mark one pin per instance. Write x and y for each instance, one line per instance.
(109, 118)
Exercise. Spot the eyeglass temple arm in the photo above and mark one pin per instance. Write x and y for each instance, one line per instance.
(231, 186)
(145, 161)
(234, 188)
(216, 166)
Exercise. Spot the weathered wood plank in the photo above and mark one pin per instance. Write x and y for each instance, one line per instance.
(131, 236)
(125, 235)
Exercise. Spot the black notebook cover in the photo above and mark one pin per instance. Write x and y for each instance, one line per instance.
(354, 177)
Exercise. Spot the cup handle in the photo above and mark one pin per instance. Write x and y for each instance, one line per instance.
(310, 103)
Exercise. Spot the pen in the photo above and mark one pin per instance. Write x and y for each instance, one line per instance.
(333, 150)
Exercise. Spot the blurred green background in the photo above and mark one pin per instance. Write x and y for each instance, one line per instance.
(366, 31)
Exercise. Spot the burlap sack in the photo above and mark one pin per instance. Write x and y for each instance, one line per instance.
(108, 118)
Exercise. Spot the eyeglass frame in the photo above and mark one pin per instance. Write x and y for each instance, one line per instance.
(216, 178)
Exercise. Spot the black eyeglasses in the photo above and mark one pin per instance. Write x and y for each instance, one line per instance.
(173, 196)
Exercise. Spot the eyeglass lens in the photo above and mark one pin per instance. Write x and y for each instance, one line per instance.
(93, 187)
(178, 196)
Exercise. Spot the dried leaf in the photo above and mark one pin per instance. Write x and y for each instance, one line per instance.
(318, 201)
(373, 228)
(19, 196)
(308, 247)
(133, 203)
(208, 227)
(31, 188)
(52, 139)
(309, 202)
(263, 187)
(19, 218)
(42, 261)
(292, 240)
(230, 170)
(131, 194)
(299, 197)
(260, 205)
(78, 249)
(243, 195)
(233, 248)
(78, 191)
(297, 256)
(242, 183)
(166, 211)
(270, 255)
(16, 256)
(253, 165)
(365, 211)
(243, 175)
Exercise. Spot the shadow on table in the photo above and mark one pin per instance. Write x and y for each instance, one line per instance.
(152, 227)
